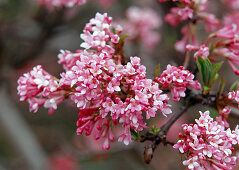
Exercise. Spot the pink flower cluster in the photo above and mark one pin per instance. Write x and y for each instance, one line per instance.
(202, 51)
(177, 79)
(234, 95)
(223, 115)
(223, 43)
(194, 10)
(232, 18)
(61, 3)
(142, 24)
(38, 88)
(98, 34)
(234, 4)
(106, 92)
(190, 9)
(207, 144)
(227, 45)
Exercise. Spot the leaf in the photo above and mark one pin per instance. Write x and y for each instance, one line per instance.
(234, 86)
(123, 37)
(154, 130)
(213, 112)
(113, 30)
(200, 64)
(209, 73)
(221, 86)
(157, 71)
(135, 135)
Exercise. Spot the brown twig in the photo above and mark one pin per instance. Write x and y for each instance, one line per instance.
(190, 101)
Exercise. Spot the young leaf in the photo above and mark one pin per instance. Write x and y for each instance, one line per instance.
(157, 71)
(234, 86)
(221, 86)
(135, 135)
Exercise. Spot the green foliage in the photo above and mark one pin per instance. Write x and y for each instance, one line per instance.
(222, 86)
(234, 86)
(209, 73)
(135, 135)
(154, 130)
(123, 37)
(213, 112)
(157, 71)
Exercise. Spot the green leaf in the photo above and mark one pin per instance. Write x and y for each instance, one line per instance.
(123, 37)
(135, 135)
(234, 86)
(157, 71)
(209, 73)
(221, 86)
(217, 66)
(113, 30)
(213, 112)
(154, 130)
(200, 64)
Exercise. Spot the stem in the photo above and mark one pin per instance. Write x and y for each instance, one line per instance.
(165, 128)
(191, 33)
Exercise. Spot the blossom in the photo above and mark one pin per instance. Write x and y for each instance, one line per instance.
(228, 46)
(106, 99)
(142, 25)
(234, 95)
(106, 92)
(38, 88)
(181, 44)
(207, 144)
(98, 34)
(177, 79)
(234, 4)
(222, 118)
(193, 11)
(232, 18)
(202, 51)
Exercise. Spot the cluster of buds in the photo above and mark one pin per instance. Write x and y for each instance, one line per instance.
(140, 22)
(105, 91)
(207, 144)
(177, 79)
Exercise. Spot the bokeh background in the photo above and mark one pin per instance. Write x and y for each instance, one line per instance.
(31, 35)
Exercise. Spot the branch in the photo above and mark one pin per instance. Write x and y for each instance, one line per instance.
(190, 101)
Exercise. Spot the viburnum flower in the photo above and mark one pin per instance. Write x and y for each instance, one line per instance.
(141, 24)
(181, 44)
(106, 92)
(202, 51)
(207, 144)
(177, 79)
(232, 18)
(38, 88)
(234, 4)
(222, 118)
(228, 46)
(189, 9)
(193, 11)
(234, 95)
(101, 90)
(98, 34)
(61, 3)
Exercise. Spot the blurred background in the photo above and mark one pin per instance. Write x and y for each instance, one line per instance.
(32, 34)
